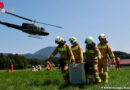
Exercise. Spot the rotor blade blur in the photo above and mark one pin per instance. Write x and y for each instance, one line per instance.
(49, 24)
(32, 20)
(20, 17)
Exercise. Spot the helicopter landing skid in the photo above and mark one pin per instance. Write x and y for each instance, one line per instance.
(35, 36)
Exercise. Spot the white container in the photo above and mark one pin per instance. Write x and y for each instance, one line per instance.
(77, 74)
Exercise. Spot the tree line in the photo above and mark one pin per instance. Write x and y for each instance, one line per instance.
(122, 55)
(21, 62)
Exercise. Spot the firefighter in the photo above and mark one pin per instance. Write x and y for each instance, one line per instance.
(92, 55)
(77, 50)
(66, 56)
(117, 63)
(49, 66)
(11, 66)
(106, 53)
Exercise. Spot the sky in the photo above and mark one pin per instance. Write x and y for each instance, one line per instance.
(79, 18)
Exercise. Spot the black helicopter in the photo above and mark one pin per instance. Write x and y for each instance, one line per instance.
(31, 29)
(28, 28)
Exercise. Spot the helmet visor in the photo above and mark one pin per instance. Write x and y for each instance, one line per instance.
(56, 42)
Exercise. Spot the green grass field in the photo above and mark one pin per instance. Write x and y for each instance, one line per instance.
(53, 80)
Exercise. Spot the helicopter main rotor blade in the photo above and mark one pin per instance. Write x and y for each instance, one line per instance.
(32, 20)
(49, 24)
(20, 17)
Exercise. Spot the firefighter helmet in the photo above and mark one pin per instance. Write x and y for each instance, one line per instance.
(102, 36)
(73, 40)
(89, 40)
(59, 39)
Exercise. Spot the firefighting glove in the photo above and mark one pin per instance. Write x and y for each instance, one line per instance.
(113, 60)
(72, 62)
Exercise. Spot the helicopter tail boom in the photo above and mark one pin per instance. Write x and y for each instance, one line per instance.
(11, 25)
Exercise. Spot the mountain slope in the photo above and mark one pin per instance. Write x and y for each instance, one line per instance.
(42, 53)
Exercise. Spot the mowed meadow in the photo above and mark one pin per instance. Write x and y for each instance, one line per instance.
(53, 80)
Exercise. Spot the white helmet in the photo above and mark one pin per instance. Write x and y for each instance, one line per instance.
(73, 40)
(89, 40)
(59, 39)
(102, 36)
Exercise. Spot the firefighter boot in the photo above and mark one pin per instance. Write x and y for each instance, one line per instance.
(105, 77)
(101, 76)
(98, 79)
(90, 79)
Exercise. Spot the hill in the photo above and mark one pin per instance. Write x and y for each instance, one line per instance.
(42, 53)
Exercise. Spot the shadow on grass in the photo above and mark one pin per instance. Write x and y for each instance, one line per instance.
(52, 82)
(45, 83)
(55, 82)
(61, 84)
(80, 86)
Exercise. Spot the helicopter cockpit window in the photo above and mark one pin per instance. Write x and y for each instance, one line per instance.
(42, 28)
